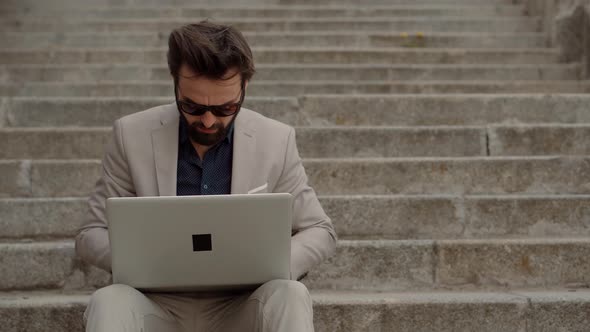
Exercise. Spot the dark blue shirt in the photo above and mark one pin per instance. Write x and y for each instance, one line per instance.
(210, 176)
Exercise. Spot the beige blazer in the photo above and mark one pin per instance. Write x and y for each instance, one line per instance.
(141, 160)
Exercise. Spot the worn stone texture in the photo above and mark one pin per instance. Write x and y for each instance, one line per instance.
(513, 263)
(141, 89)
(280, 24)
(289, 39)
(41, 218)
(376, 265)
(349, 142)
(55, 266)
(298, 72)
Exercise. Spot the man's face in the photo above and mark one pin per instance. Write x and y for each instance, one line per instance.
(207, 129)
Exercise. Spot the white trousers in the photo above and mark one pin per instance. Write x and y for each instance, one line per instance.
(278, 305)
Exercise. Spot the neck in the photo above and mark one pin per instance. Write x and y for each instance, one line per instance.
(201, 149)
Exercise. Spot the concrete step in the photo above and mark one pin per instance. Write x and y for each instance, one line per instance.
(257, 11)
(51, 4)
(337, 142)
(294, 88)
(298, 72)
(382, 23)
(367, 39)
(474, 175)
(346, 311)
(362, 217)
(378, 265)
(313, 142)
(296, 55)
(322, 110)
(454, 264)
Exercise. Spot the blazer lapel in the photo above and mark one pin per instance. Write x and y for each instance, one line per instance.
(165, 144)
(243, 162)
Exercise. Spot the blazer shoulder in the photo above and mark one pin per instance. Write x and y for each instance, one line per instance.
(265, 125)
(151, 118)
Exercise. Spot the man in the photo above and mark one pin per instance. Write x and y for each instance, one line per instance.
(206, 144)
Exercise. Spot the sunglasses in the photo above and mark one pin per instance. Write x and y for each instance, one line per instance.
(224, 110)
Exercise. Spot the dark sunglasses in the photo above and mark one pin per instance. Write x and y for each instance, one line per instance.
(224, 110)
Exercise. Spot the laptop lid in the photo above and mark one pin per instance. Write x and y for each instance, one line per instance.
(200, 243)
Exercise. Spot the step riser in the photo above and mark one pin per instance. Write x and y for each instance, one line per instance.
(295, 89)
(425, 25)
(14, 74)
(462, 176)
(387, 217)
(450, 264)
(312, 143)
(509, 313)
(403, 56)
(427, 110)
(159, 3)
(394, 40)
(338, 143)
(245, 12)
(378, 265)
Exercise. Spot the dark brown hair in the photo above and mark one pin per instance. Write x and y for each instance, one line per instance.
(209, 50)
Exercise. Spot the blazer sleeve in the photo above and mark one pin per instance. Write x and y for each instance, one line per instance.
(314, 237)
(92, 240)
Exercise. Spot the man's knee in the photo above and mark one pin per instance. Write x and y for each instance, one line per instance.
(283, 289)
(115, 297)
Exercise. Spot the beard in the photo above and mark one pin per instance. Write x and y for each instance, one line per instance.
(206, 139)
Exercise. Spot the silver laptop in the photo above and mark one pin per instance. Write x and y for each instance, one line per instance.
(200, 243)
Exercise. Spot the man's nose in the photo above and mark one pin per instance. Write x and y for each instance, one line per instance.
(208, 119)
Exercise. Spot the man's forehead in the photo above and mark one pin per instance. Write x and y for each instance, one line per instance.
(230, 78)
(201, 86)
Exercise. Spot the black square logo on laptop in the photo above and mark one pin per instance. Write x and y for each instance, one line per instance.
(202, 242)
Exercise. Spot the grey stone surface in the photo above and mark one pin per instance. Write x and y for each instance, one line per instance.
(351, 311)
(258, 11)
(15, 178)
(538, 175)
(424, 110)
(521, 140)
(41, 218)
(526, 216)
(419, 312)
(295, 88)
(325, 110)
(51, 4)
(364, 217)
(46, 312)
(55, 266)
(526, 140)
(289, 39)
(377, 265)
(508, 24)
(63, 179)
(295, 55)
(298, 72)
(509, 175)
(350, 142)
(48, 112)
(399, 217)
(513, 263)
(555, 311)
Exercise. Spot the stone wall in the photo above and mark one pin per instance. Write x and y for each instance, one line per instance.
(567, 23)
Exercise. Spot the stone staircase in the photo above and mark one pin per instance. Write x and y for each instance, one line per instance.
(446, 141)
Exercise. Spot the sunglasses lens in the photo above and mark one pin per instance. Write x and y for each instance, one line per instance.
(194, 109)
(225, 110)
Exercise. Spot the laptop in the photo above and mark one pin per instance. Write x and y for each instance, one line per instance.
(200, 243)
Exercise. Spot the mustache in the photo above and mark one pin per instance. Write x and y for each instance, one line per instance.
(199, 125)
